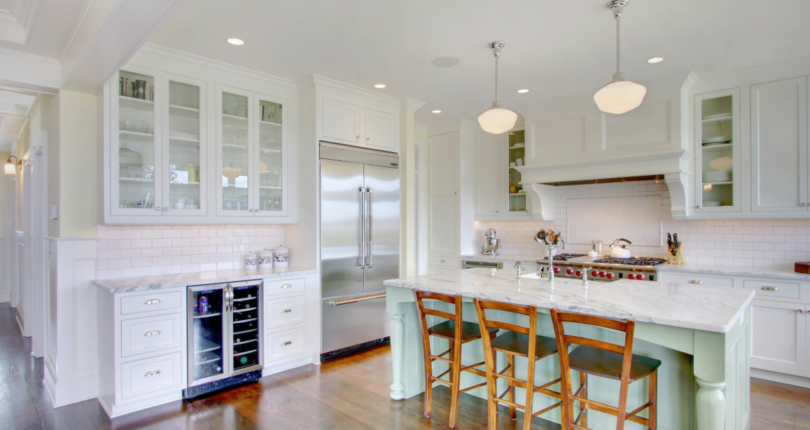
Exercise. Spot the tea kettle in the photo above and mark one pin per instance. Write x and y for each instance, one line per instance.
(619, 251)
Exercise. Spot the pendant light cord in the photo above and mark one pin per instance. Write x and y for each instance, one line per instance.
(618, 43)
(497, 57)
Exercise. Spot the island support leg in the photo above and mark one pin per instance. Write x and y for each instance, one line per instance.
(711, 405)
(397, 350)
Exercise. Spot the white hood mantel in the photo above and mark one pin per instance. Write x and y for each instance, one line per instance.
(675, 167)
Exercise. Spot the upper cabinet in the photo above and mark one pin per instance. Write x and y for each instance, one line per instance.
(779, 146)
(499, 194)
(191, 145)
(717, 154)
(381, 129)
(341, 121)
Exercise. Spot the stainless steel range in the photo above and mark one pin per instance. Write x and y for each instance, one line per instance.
(604, 269)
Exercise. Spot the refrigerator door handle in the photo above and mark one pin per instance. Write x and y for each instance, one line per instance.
(350, 300)
(362, 264)
(370, 263)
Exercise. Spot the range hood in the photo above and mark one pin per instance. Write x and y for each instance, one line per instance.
(675, 168)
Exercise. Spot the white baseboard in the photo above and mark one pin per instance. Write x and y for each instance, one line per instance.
(115, 411)
(286, 365)
(65, 393)
(5, 296)
(782, 378)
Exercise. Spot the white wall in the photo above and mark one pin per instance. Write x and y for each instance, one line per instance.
(753, 243)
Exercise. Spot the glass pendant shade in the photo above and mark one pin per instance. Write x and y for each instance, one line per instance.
(497, 120)
(10, 168)
(620, 96)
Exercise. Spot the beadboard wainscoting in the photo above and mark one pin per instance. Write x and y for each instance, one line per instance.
(774, 244)
(125, 251)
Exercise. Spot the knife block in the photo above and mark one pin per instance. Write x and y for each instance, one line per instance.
(679, 258)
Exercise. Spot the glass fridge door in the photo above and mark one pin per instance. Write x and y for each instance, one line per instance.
(207, 328)
(246, 299)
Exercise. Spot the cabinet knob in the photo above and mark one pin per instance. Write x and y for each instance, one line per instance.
(166, 209)
(696, 282)
(697, 207)
(358, 136)
(801, 204)
(800, 311)
(769, 288)
(367, 139)
(496, 211)
(158, 208)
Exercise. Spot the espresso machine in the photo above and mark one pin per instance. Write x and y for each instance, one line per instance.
(491, 243)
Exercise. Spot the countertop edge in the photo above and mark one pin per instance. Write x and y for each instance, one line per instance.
(734, 271)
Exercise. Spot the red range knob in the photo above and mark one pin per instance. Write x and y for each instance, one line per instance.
(579, 272)
(611, 275)
(631, 276)
(556, 270)
(601, 274)
(595, 273)
(570, 271)
(640, 277)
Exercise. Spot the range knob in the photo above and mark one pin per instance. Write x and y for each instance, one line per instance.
(595, 273)
(570, 271)
(556, 270)
(640, 277)
(579, 272)
(602, 274)
(610, 275)
(631, 276)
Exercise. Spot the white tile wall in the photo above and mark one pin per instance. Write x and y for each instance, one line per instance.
(760, 243)
(154, 250)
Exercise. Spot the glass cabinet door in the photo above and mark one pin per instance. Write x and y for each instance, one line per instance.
(246, 327)
(717, 154)
(135, 143)
(270, 156)
(208, 346)
(517, 157)
(234, 145)
(184, 187)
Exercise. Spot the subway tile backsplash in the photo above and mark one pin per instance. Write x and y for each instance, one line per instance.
(755, 243)
(155, 250)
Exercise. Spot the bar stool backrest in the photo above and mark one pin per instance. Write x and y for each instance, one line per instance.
(628, 327)
(424, 312)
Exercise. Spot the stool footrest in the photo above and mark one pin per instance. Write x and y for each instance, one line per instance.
(473, 387)
(546, 409)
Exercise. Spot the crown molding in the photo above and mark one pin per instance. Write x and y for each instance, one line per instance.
(323, 83)
(411, 105)
(14, 27)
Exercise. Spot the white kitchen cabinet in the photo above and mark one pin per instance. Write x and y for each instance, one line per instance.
(717, 150)
(341, 121)
(380, 129)
(779, 146)
(443, 194)
(779, 338)
(489, 185)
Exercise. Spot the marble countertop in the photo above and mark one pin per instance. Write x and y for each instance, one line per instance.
(697, 307)
(142, 283)
(761, 272)
(526, 259)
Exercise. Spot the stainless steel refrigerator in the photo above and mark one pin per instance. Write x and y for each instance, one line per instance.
(359, 243)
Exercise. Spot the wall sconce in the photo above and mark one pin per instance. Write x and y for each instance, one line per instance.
(11, 168)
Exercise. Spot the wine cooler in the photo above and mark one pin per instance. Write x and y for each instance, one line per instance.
(224, 336)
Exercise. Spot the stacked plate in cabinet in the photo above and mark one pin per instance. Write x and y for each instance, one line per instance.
(717, 176)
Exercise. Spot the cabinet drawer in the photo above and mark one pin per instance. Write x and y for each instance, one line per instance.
(788, 290)
(285, 286)
(697, 279)
(454, 263)
(284, 312)
(144, 335)
(284, 344)
(152, 376)
(171, 301)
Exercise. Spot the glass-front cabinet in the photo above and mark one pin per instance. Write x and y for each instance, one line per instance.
(517, 156)
(156, 152)
(717, 152)
(251, 155)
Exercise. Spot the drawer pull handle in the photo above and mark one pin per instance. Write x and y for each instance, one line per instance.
(442, 261)
(151, 373)
(696, 282)
(285, 286)
(768, 288)
(287, 343)
(152, 333)
(286, 311)
(152, 302)
(799, 311)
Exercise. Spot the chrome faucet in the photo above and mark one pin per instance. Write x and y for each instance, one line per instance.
(519, 268)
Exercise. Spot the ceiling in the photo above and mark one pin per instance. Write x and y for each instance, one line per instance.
(551, 48)
(13, 108)
(48, 25)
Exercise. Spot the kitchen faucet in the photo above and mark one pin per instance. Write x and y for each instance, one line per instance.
(519, 268)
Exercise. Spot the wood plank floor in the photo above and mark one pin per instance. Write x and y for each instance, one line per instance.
(344, 393)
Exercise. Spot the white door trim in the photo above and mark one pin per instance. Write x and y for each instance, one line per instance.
(35, 227)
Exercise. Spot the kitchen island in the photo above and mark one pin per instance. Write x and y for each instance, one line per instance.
(701, 334)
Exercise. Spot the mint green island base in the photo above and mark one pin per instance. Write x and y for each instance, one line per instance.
(703, 382)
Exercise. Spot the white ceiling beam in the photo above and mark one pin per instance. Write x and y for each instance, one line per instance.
(107, 35)
(31, 72)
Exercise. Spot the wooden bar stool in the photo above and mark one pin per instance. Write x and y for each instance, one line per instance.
(607, 360)
(457, 332)
(518, 341)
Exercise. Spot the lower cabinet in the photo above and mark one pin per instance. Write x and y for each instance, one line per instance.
(779, 336)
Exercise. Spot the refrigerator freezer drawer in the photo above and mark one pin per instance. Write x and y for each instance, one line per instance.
(353, 322)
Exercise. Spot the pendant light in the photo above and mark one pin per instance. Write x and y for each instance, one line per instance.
(497, 120)
(620, 95)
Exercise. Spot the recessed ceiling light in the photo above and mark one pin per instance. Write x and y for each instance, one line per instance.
(380, 86)
(655, 60)
(436, 111)
(523, 91)
(235, 41)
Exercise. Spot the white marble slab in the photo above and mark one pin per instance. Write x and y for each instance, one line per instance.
(714, 309)
(735, 271)
(143, 283)
(525, 259)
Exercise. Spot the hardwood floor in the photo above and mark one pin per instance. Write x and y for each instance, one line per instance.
(344, 393)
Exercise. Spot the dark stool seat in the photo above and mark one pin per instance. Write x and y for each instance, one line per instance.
(608, 364)
(518, 344)
(447, 330)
